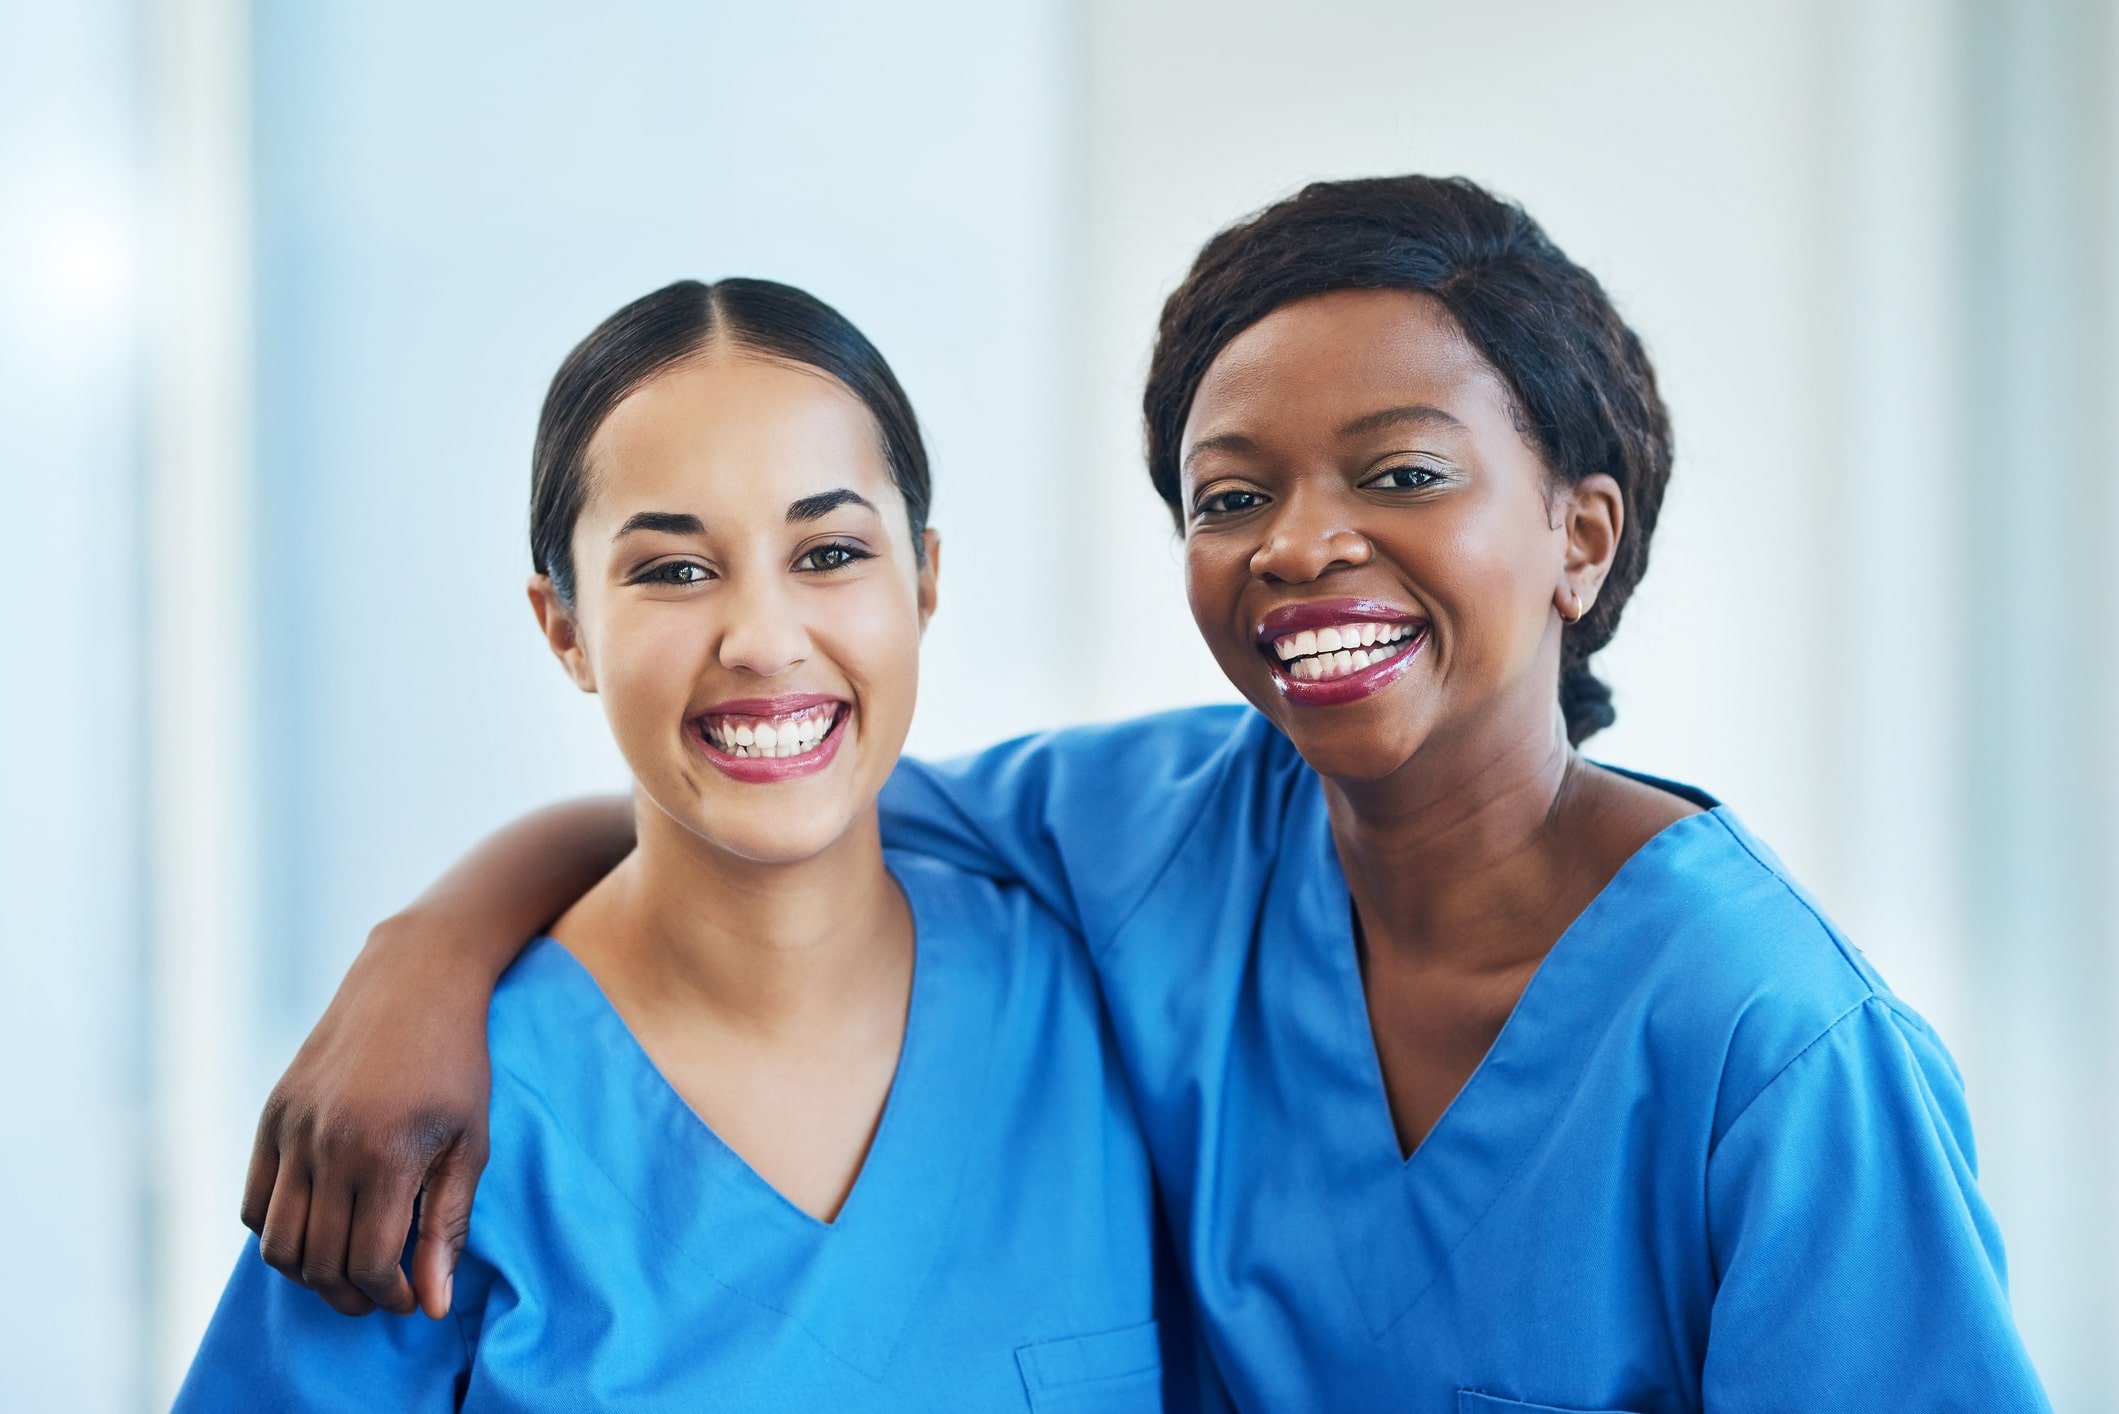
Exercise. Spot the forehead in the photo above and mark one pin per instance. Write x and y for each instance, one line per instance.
(716, 427)
(1315, 364)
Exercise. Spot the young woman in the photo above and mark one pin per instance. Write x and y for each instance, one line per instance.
(1477, 1077)
(777, 1123)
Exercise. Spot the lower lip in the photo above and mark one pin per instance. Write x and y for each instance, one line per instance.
(1337, 692)
(765, 770)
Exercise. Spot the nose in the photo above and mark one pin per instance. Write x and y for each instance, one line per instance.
(763, 634)
(1307, 538)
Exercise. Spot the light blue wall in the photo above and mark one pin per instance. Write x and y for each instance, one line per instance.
(71, 582)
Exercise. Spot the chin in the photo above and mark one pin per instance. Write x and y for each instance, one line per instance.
(1357, 742)
(779, 841)
(774, 825)
(1353, 755)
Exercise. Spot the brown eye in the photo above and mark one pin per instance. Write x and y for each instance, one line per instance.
(676, 572)
(1229, 503)
(1403, 478)
(826, 558)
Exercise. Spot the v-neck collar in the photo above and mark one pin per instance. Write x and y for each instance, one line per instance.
(1399, 1217)
(850, 1284)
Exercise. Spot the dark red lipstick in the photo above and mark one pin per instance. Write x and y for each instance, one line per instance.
(1316, 615)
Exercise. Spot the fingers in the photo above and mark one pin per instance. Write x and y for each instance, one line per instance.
(333, 1210)
(445, 1222)
(264, 1168)
(382, 1219)
(285, 1230)
(324, 1246)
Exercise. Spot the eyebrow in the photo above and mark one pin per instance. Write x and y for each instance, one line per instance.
(1411, 415)
(824, 503)
(1227, 442)
(664, 522)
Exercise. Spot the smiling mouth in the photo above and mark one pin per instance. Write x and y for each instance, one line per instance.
(1341, 650)
(787, 736)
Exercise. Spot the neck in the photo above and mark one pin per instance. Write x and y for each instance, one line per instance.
(767, 948)
(1445, 856)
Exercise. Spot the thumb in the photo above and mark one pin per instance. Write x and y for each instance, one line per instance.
(444, 1223)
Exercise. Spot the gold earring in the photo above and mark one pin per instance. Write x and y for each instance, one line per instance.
(1578, 606)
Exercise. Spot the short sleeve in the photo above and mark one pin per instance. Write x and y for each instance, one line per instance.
(1858, 1265)
(275, 1345)
(1083, 818)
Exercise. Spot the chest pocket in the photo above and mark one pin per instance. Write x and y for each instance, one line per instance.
(1112, 1372)
(1471, 1402)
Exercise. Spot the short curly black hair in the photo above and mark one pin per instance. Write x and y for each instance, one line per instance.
(1585, 394)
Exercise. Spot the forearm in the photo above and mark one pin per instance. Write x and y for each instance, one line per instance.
(508, 888)
(386, 1100)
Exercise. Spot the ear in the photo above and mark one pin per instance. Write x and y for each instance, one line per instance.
(1593, 515)
(932, 540)
(562, 631)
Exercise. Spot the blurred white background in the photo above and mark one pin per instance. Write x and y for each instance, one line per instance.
(281, 285)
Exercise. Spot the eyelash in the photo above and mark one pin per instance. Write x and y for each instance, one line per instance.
(672, 572)
(667, 573)
(1428, 472)
(1216, 503)
(1212, 504)
(854, 555)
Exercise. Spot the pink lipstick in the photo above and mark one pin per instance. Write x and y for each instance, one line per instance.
(762, 740)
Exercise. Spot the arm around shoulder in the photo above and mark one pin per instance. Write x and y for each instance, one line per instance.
(1082, 817)
(387, 1097)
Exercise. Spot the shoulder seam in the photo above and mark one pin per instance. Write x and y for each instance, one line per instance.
(1873, 999)
(1102, 947)
(1832, 935)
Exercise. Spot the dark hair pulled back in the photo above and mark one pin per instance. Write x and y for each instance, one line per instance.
(677, 322)
(1585, 394)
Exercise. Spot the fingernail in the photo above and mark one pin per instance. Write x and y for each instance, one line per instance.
(448, 1291)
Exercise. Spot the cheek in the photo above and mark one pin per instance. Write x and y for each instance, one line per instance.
(1216, 572)
(871, 633)
(647, 658)
(1489, 571)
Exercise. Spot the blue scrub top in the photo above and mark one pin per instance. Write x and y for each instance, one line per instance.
(999, 1250)
(1710, 1163)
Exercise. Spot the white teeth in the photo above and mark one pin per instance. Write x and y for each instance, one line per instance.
(788, 736)
(1314, 654)
(1341, 649)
